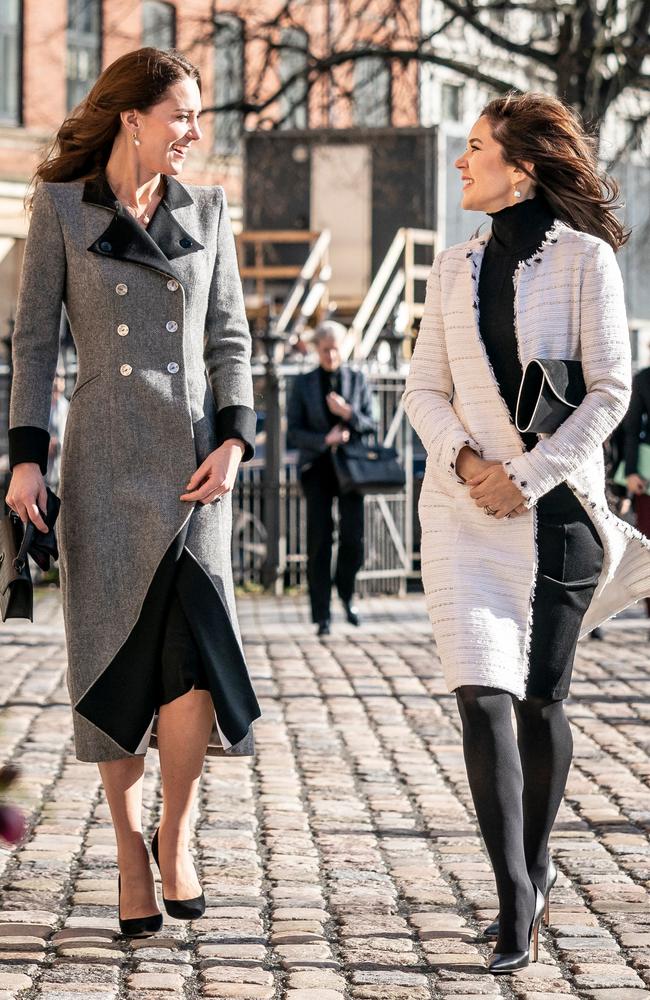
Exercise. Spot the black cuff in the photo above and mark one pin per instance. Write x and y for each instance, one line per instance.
(238, 422)
(29, 444)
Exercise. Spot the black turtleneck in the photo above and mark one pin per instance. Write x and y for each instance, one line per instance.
(517, 233)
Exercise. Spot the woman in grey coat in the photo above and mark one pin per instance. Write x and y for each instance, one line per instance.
(161, 415)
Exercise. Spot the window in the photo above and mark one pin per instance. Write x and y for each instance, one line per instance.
(158, 24)
(451, 103)
(10, 61)
(228, 82)
(84, 41)
(371, 93)
(293, 60)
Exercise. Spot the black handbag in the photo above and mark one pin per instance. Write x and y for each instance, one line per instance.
(550, 391)
(16, 594)
(367, 468)
(16, 541)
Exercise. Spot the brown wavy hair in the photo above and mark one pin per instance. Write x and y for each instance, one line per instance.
(540, 129)
(84, 141)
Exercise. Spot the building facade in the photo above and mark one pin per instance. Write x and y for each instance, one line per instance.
(53, 51)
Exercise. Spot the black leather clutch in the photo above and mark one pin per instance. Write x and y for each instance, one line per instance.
(16, 541)
(16, 594)
(550, 391)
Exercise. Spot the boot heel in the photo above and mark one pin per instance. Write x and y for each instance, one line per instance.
(547, 910)
(535, 942)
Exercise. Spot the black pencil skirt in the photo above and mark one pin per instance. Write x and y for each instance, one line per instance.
(569, 562)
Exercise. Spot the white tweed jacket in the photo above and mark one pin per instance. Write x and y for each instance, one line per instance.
(479, 573)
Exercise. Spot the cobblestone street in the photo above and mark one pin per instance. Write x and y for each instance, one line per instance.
(344, 862)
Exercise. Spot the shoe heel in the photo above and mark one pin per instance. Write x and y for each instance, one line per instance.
(547, 910)
(535, 942)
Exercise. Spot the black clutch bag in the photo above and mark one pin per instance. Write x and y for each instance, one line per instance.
(367, 468)
(16, 594)
(16, 541)
(550, 391)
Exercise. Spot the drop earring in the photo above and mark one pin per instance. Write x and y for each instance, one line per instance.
(136, 141)
(517, 193)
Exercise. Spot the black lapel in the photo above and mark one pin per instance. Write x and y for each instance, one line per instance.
(125, 239)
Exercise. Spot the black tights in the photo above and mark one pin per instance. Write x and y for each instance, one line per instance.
(517, 786)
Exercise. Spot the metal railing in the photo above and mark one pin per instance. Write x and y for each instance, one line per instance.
(394, 290)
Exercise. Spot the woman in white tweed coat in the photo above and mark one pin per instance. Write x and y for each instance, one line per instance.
(161, 415)
(520, 554)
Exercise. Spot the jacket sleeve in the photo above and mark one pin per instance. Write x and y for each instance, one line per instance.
(632, 426)
(606, 364)
(227, 345)
(429, 387)
(362, 420)
(298, 434)
(35, 345)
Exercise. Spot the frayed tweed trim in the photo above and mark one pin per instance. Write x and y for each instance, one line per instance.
(528, 637)
(550, 237)
(476, 271)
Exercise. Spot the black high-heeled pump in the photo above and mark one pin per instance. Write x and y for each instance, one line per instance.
(491, 932)
(137, 927)
(181, 909)
(505, 962)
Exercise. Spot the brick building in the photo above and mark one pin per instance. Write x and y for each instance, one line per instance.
(51, 53)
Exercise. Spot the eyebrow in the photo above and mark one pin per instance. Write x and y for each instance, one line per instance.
(472, 139)
(188, 111)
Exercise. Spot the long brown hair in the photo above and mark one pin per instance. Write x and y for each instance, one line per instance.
(540, 129)
(84, 141)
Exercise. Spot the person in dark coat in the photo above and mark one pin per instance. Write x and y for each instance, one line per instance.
(635, 427)
(329, 406)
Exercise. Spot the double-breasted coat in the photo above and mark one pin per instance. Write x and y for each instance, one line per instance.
(164, 377)
(479, 573)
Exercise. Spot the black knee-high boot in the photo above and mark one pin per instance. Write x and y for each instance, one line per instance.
(496, 782)
(545, 749)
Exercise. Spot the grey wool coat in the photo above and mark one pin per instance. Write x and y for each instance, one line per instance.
(164, 377)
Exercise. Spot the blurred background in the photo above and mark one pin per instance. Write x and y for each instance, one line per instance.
(333, 125)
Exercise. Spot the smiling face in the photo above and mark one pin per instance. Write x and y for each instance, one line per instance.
(488, 181)
(167, 130)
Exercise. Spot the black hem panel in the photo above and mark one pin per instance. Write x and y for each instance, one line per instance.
(238, 422)
(29, 444)
(570, 559)
(126, 696)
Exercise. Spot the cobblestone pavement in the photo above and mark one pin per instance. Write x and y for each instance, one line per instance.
(345, 862)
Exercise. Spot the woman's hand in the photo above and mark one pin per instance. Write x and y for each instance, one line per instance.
(216, 475)
(338, 406)
(492, 487)
(636, 484)
(469, 464)
(337, 435)
(27, 493)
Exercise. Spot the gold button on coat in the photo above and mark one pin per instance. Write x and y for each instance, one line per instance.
(122, 329)
(121, 289)
(172, 285)
(172, 367)
(172, 326)
(126, 370)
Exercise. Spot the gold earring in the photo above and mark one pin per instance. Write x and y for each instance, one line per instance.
(136, 141)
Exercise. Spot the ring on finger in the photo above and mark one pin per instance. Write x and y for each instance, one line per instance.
(490, 511)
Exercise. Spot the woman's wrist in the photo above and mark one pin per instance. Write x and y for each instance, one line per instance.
(231, 442)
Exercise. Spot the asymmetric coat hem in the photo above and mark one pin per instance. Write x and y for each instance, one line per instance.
(163, 350)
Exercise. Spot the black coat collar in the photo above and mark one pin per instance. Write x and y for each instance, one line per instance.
(125, 239)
